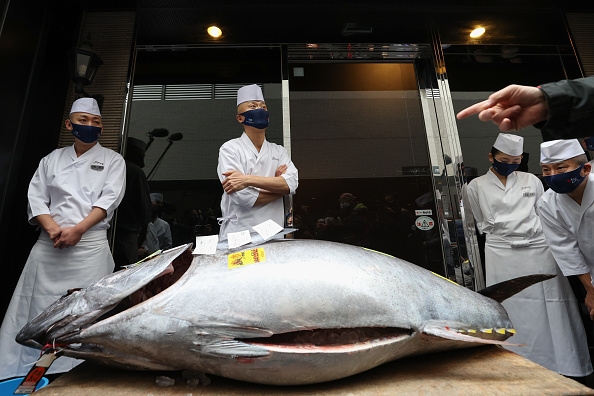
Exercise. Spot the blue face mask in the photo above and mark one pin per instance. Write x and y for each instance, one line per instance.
(257, 118)
(85, 133)
(564, 183)
(590, 143)
(504, 169)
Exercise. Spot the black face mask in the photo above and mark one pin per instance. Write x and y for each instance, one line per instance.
(504, 169)
(567, 182)
(257, 118)
(85, 133)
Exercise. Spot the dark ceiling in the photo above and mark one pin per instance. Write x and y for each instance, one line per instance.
(166, 22)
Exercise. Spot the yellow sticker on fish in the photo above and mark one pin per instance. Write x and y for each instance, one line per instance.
(246, 257)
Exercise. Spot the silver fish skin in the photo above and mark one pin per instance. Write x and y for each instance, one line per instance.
(313, 311)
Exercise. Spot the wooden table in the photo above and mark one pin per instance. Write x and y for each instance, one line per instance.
(485, 370)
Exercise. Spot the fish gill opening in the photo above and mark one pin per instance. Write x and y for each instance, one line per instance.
(180, 265)
(332, 337)
(66, 330)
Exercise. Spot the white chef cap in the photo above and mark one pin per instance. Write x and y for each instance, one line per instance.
(559, 150)
(249, 92)
(509, 144)
(85, 105)
(156, 197)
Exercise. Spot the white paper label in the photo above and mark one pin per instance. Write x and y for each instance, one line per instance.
(236, 239)
(423, 212)
(206, 244)
(268, 229)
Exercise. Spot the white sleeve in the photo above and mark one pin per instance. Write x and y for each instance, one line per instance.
(475, 207)
(291, 176)
(562, 243)
(228, 161)
(38, 196)
(114, 187)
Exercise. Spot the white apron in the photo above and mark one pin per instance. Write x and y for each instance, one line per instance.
(545, 315)
(47, 276)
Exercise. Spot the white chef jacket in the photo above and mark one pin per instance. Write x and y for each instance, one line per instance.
(67, 187)
(569, 229)
(506, 211)
(240, 154)
(151, 242)
(163, 231)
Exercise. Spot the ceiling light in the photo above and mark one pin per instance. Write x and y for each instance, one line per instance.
(214, 31)
(477, 32)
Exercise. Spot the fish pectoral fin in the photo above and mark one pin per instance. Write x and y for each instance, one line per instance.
(231, 348)
(442, 330)
(224, 330)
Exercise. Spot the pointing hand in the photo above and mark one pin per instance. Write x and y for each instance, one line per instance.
(512, 108)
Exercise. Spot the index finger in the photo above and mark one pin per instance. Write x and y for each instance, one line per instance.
(474, 109)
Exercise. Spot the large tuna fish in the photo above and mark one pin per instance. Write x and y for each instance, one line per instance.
(285, 312)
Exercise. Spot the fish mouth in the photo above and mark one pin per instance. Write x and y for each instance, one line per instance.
(331, 340)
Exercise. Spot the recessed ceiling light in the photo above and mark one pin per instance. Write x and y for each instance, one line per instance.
(477, 32)
(214, 31)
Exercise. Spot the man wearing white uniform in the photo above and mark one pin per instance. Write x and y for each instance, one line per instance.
(567, 210)
(162, 228)
(255, 173)
(72, 197)
(545, 315)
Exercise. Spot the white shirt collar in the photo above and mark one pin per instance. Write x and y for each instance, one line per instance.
(86, 153)
(511, 178)
(250, 145)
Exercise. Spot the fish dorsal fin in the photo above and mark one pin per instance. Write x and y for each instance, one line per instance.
(503, 290)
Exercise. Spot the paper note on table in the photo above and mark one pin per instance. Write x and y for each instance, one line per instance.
(268, 229)
(206, 244)
(236, 239)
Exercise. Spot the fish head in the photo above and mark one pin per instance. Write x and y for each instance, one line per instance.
(62, 322)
